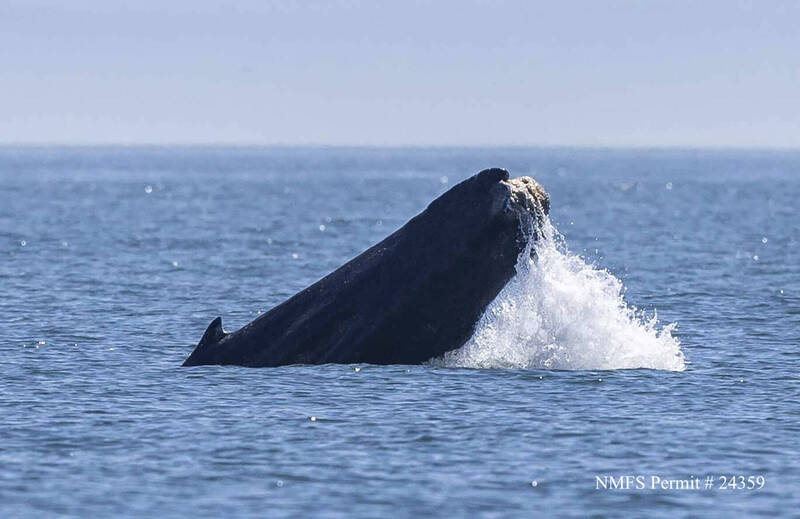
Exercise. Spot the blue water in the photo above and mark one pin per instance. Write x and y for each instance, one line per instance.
(114, 260)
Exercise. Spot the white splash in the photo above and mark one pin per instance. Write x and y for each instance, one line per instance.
(558, 312)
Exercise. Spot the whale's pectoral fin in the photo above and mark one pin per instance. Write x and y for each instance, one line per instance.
(214, 333)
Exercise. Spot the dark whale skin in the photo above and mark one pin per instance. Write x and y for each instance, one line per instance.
(412, 297)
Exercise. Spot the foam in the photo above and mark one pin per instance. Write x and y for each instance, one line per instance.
(558, 312)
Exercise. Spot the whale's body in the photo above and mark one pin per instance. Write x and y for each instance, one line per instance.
(412, 297)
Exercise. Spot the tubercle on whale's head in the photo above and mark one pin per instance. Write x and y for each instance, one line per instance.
(526, 202)
(527, 197)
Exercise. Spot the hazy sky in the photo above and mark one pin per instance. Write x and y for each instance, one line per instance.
(674, 73)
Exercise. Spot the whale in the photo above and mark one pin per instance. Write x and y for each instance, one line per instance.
(410, 298)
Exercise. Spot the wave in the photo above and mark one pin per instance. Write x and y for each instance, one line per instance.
(558, 312)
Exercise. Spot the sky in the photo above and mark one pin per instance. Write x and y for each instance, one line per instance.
(406, 73)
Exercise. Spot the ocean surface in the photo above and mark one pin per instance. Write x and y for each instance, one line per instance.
(656, 335)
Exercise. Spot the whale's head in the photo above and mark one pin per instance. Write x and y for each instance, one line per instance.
(442, 269)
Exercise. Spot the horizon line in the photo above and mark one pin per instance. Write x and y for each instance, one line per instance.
(407, 146)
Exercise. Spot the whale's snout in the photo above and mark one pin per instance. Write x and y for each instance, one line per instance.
(529, 195)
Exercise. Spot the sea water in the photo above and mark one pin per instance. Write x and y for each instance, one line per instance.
(654, 331)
